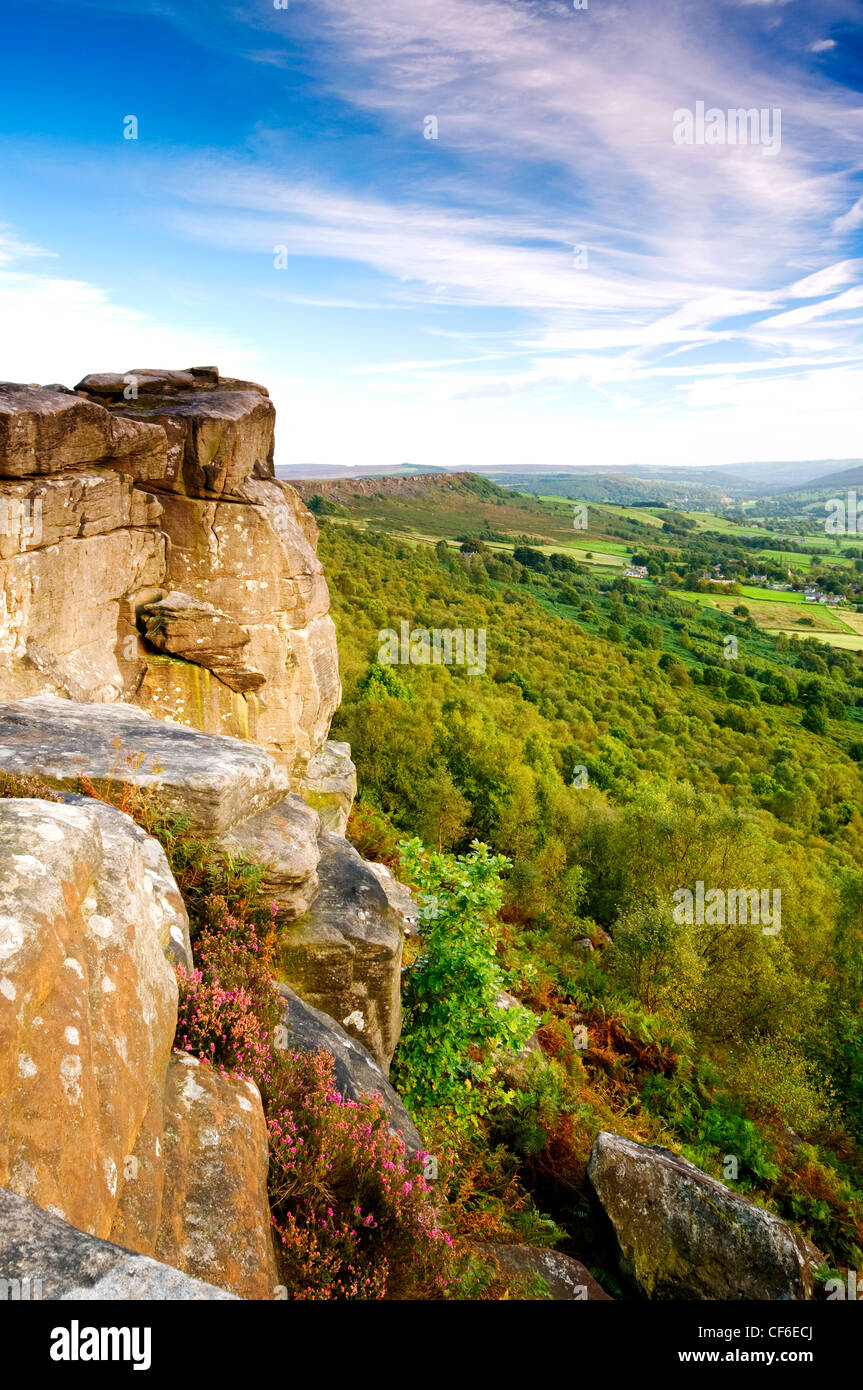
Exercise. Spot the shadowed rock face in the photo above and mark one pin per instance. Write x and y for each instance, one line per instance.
(60, 1263)
(344, 955)
(357, 1073)
(144, 483)
(682, 1235)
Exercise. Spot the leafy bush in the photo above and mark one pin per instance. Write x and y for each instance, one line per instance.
(453, 1032)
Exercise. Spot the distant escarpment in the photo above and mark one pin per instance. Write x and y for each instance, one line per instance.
(396, 486)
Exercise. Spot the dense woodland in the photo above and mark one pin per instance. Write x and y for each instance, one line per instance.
(613, 754)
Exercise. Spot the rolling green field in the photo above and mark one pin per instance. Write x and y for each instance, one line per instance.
(452, 509)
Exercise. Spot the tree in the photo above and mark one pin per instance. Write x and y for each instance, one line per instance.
(454, 1032)
(739, 688)
(380, 681)
(814, 720)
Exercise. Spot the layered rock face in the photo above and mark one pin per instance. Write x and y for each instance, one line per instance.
(164, 632)
(149, 555)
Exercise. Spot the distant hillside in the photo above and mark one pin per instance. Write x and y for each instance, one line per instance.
(400, 487)
(847, 477)
(453, 506)
(672, 488)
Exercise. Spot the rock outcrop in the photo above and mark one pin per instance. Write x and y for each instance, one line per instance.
(680, 1234)
(196, 631)
(341, 937)
(165, 641)
(145, 489)
(43, 1257)
(214, 781)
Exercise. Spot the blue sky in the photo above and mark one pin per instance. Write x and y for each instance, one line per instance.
(434, 308)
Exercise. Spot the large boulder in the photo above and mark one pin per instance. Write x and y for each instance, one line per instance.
(100, 1123)
(43, 430)
(216, 781)
(127, 846)
(344, 956)
(196, 631)
(88, 1005)
(110, 388)
(43, 1257)
(356, 1071)
(216, 436)
(284, 838)
(215, 1215)
(681, 1234)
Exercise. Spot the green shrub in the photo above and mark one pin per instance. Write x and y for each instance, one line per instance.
(453, 1032)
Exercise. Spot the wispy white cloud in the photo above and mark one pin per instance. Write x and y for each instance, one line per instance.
(555, 131)
(12, 248)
